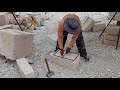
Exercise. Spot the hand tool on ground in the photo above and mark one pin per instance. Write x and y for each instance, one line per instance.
(49, 73)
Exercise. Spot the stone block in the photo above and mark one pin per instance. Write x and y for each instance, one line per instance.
(112, 30)
(15, 44)
(4, 19)
(6, 27)
(69, 61)
(25, 70)
(88, 25)
(99, 26)
(111, 43)
(111, 37)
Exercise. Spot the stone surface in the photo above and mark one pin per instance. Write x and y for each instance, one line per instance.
(69, 61)
(6, 27)
(88, 25)
(111, 43)
(99, 26)
(15, 44)
(52, 38)
(111, 37)
(112, 30)
(25, 70)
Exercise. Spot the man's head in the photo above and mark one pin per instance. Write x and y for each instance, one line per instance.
(72, 26)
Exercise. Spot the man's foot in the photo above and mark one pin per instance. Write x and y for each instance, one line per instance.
(86, 58)
(55, 50)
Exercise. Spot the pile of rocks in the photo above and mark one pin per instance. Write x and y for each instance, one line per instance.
(24, 19)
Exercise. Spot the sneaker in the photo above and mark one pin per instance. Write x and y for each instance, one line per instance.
(55, 50)
(86, 58)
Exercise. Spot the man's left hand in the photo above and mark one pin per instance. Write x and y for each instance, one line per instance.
(68, 50)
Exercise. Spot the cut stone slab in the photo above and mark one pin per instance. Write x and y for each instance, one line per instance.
(112, 30)
(15, 44)
(111, 37)
(110, 43)
(69, 61)
(99, 26)
(25, 70)
(6, 26)
(88, 25)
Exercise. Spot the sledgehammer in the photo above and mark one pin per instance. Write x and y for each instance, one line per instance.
(49, 73)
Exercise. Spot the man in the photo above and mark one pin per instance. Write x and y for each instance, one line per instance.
(71, 24)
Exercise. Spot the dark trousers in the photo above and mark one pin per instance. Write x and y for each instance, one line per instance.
(79, 42)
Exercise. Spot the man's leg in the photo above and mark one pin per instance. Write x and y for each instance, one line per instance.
(81, 47)
(64, 40)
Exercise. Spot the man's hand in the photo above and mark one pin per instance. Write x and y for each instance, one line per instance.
(62, 52)
(68, 50)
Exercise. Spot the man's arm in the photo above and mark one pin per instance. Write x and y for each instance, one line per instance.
(60, 35)
(74, 38)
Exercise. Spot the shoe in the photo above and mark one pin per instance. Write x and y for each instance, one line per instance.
(86, 58)
(55, 50)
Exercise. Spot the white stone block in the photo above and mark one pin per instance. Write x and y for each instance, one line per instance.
(15, 44)
(25, 70)
(69, 61)
(99, 26)
(4, 19)
(88, 25)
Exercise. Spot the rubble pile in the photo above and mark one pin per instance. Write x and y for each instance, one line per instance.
(28, 21)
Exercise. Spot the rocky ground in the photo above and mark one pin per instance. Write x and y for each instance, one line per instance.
(104, 60)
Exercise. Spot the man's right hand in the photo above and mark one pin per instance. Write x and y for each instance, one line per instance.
(62, 52)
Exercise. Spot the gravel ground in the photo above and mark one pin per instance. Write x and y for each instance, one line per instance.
(104, 60)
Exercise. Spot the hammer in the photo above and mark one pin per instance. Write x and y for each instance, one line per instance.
(49, 73)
